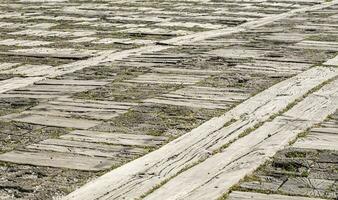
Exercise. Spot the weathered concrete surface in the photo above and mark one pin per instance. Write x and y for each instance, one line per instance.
(87, 86)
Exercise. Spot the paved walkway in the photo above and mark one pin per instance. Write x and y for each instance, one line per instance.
(168, 100)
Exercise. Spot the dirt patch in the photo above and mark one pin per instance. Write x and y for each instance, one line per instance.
(40, 183)
(156, 119)
(15, 135)
(127, 92)
(13, 105)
